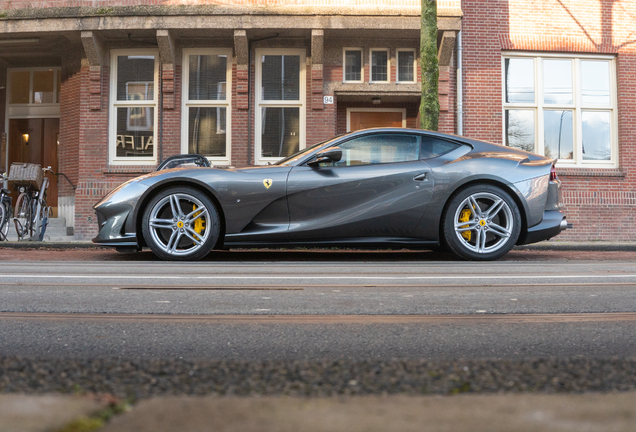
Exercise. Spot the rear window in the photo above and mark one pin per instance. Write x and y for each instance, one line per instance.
(434, 147)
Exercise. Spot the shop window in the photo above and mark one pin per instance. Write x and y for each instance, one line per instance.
(280, 117)
(406, 66)
(352, 61)
(133, 108)
(562, 107)
(206, 103)
(379, 65)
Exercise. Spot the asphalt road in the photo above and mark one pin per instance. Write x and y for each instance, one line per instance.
(361, 307)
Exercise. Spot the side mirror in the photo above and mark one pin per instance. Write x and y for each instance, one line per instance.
(333, 154)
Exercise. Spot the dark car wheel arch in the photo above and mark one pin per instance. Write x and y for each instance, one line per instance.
(448, 234)
(473, 182)
(158, 188)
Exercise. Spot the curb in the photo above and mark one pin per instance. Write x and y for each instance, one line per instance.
(50, 245)
(580, 247)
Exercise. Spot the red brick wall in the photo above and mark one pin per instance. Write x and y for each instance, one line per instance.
(599, 202)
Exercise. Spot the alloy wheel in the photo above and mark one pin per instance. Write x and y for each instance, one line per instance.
(483, 222)
(178, 224)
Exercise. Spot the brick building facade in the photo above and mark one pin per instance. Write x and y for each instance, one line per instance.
(248, 81)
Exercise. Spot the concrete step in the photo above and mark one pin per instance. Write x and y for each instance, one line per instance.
(56, 231)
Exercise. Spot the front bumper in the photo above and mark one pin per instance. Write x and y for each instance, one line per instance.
(552, 224)
(112, 233)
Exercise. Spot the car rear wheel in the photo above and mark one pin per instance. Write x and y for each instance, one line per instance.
(181, 223)
(482, 222)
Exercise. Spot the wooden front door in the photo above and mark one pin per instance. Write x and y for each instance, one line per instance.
(40, 149)
(371, 119)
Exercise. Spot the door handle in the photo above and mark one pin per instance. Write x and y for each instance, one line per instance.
(420, 177)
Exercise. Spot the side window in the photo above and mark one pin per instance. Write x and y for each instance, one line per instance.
(379, 149)
(433, 147)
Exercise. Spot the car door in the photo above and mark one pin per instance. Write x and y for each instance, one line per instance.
(380, 188)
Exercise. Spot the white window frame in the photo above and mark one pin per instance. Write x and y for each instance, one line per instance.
(397, 65)
(388, 65)
(227, 103)
(344, 64)
(260, 103)
(350, 110)
(577, 106)
(114, 104)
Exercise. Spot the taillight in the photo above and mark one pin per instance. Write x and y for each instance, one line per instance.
(553, 174)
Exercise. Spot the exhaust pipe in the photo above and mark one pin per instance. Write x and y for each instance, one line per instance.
(564, 225)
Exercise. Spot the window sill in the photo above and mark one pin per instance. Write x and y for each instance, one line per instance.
(128, 170)
(590, 172)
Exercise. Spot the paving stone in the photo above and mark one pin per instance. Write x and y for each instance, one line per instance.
(42, 413)
(469, 413)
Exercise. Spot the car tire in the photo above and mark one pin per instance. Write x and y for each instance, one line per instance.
(481, 222)
(175, 228)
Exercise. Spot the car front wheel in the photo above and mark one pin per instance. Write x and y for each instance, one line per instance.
(482, 222)
(181, 223)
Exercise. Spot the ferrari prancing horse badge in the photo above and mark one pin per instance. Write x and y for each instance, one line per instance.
(267, 183)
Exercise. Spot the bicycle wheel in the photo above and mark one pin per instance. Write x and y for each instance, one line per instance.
(23, 216)
(4, 221)
(45, 214)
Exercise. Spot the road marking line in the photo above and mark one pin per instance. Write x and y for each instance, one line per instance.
(392, 278)
(326, 319)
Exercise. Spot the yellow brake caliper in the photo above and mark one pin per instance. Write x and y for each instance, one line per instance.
(199, 224)
(464, 216)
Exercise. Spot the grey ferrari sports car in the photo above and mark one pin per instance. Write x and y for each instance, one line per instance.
(371, 188)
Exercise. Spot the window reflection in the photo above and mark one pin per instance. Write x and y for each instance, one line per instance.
(557, 82)
(379, 66)
(43, 87)
(558, 138)
(377, 149)
(596, 135)
(519, 80)
(595, 82)
(20, 84)
(207, 78)
(520, 129)
(353, 65)
(135, 77)
(206, 131)
(406, 71)
(280, 77)
(280, 131)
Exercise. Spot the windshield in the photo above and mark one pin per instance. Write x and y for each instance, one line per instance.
(304, 151)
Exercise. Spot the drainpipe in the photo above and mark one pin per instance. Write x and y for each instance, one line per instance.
(160, 113)
(460, 81)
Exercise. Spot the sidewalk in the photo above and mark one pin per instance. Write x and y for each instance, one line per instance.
(597, 412)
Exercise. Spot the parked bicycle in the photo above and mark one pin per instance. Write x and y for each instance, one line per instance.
(31, 213)
(5, 208)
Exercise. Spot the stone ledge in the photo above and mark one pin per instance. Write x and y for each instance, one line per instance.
(590, 172)
(202, 10)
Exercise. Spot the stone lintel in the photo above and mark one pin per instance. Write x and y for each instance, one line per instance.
(317, 46)
(446, 47)
(240, 48)
(449, 23)
(167, 47)
(93, 47)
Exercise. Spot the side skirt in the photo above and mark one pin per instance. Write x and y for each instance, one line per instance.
(357, 243)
